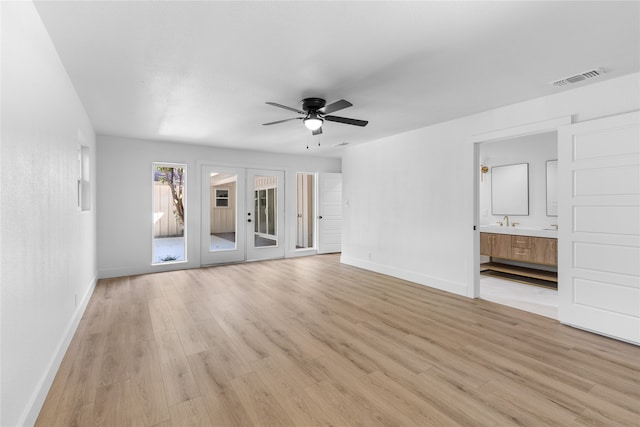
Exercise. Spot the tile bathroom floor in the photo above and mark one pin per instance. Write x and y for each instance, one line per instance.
(534, 299)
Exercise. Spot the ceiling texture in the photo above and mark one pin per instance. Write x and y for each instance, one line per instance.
(201, 72)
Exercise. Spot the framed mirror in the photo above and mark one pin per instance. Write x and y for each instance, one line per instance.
(552, 188)
(510, 189)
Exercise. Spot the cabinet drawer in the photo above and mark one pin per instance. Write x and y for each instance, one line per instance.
(523, 254)
(520, 241)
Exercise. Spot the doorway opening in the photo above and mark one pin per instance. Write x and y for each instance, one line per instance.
(518, 225)
(521, 251)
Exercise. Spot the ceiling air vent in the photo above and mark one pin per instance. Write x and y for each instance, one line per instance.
(579, 77)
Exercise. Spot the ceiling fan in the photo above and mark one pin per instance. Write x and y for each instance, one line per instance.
(315, 112)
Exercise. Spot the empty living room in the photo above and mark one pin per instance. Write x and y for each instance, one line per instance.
(345, 213)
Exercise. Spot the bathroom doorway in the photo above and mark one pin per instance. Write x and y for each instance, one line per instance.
(515, 246)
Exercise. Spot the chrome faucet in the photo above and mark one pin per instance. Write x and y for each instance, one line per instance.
(506, 218)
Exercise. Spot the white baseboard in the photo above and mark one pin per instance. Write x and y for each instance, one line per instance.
(108, 273)
(301, 252)
(411, 276)
(34, 406)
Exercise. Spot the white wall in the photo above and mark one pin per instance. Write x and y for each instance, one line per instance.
(408, 198)
(124, 197)
(532, 149)
(48, 249)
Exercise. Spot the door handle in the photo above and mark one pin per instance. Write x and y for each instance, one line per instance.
(249, 220)
(320, 217)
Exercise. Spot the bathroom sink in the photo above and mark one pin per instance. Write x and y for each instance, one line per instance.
(519, 230)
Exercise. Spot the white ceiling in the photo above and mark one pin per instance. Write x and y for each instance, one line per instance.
(201, 72)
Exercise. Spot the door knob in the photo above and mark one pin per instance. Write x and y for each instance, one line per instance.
(249, 220)
(320, 217)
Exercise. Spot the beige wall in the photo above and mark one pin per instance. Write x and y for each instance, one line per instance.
(264, 182)
(223, 219)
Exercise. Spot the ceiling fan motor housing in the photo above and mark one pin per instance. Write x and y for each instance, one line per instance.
(313, 104)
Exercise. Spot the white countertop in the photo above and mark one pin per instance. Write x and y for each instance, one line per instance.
(520, 231)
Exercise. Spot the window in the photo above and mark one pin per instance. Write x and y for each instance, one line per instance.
(222, 198)
(169, 213)
(84, 180)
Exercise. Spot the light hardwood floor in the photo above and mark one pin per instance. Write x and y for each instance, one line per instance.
(311, 342)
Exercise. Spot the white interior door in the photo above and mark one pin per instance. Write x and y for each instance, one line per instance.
(599, 233)
(329, 212)
(223, 206)
(264, 216)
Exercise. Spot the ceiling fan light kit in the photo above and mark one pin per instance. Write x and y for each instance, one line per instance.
(312, 121)
(316, 112)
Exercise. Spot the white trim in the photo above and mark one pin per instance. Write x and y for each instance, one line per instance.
(411, 276)
(34, 406)
(550, 125)
(301, 252)
(523, 130)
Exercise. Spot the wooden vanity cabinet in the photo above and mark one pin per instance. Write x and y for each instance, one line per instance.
(537, 250)
(495, 245)
(501, 246)
(521, 248)
(485, 243)
(544, 251)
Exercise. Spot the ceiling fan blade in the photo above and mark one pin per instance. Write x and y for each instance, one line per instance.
(338, 105)
(346, 120)
(285, 107)
(282, 121)
(317, 131)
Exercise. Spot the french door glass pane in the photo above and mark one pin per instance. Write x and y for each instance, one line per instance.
(265, 213)
(271, 211)
(223, 190)
(262, 206)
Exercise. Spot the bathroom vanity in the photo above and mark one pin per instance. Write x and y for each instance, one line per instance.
(532, 246)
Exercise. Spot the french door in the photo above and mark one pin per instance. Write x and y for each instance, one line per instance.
(265, 214)
(242, 214)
